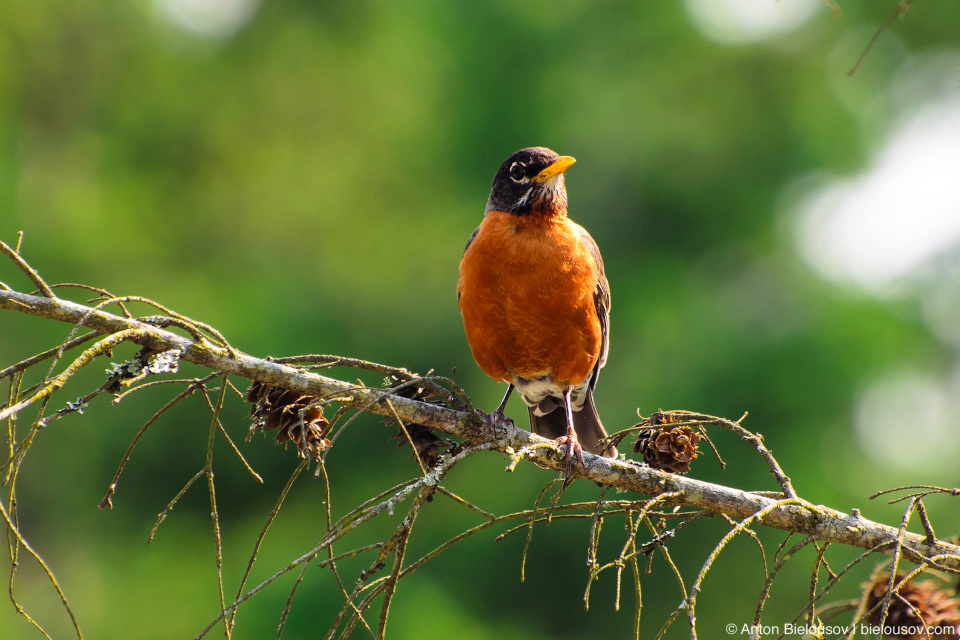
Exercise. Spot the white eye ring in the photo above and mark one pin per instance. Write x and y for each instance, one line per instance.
(517, 173)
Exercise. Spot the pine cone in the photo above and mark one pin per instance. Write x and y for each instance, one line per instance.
(670, 447)
(939, 610)
(426, 444)
(294, 415)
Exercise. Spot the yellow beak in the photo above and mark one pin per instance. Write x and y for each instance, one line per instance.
(559, 165)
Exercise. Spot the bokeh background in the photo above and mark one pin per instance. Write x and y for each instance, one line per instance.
(780, 237)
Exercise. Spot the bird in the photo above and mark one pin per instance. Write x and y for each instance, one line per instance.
(535, 302)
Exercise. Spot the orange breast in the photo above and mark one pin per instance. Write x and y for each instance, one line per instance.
(526, 293)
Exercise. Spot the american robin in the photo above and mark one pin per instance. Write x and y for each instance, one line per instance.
(535, 301)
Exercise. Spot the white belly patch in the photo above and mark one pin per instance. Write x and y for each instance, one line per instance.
(543, 394)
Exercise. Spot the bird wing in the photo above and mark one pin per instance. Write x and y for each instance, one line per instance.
(601, 299)
(474, 235)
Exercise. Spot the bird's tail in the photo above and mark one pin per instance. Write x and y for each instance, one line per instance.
(586, 423)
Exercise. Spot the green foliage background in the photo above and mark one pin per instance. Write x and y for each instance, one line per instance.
(307, 186)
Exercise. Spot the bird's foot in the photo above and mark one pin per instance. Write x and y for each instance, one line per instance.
(574, 451)
(497, 416)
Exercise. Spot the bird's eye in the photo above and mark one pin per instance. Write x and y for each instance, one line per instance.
(517, 174)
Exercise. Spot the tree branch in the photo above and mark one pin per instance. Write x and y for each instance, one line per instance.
(826, 524)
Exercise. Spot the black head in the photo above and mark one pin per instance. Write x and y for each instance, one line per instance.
(530, 181)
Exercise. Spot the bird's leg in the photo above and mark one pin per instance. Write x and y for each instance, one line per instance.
(503, 403)
(574, 450)
(497, 414)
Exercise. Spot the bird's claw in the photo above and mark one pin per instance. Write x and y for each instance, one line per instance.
(574, 451)
(497, 416)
